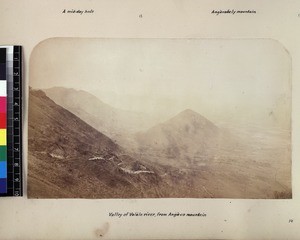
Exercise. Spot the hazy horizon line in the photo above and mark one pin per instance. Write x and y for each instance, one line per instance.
(165, 119)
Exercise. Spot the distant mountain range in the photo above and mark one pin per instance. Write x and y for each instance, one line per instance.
(113, 122)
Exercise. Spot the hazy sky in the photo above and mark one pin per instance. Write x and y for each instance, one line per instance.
(224, 80)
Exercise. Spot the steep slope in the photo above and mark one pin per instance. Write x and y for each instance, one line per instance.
(113, 122)
(61, 131)
(69, 158)
(188, 135)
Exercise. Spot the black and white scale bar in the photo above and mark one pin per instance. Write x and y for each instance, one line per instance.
(17, 121)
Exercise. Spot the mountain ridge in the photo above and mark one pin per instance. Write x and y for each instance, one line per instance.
(113, 122)
(184, 136)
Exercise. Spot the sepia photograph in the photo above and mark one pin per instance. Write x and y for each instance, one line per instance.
(159, 118)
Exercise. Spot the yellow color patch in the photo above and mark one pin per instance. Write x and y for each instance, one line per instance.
(3, 137)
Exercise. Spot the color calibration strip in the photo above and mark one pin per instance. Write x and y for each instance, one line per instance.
(11, 121)
(3, 110)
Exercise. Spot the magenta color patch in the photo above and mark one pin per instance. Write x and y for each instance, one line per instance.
(2, 104)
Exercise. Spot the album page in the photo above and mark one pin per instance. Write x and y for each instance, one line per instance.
(157, 120)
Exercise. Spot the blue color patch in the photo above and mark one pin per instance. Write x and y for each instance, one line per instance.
(3, 169)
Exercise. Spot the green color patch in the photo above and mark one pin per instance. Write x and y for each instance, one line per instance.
(3, 153)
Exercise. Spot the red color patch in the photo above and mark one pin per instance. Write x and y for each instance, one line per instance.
(2, 120)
